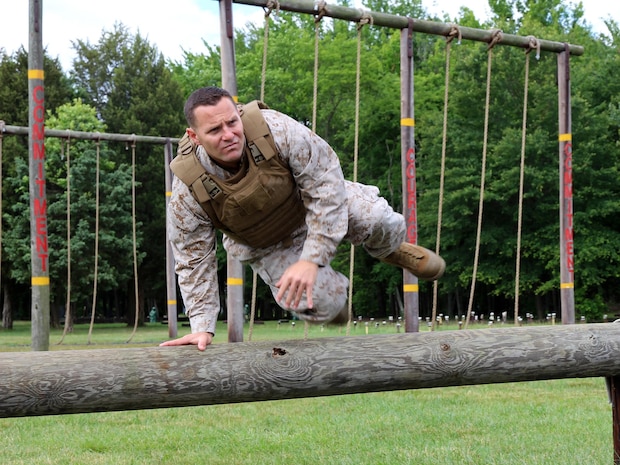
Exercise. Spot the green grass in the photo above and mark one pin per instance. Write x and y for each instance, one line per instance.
(103, 336)
(116, 335)
(543, 422)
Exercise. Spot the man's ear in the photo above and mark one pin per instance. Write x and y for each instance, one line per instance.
(192, 136)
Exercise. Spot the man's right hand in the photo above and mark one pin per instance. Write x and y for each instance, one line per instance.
(297, 279)
(202, 340)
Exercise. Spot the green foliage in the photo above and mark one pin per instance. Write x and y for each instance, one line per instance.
(14, 91)
(596, 253)
(16, 246)
(126, 79)
(197, 70)
(14, 111)
(290, 66)
(129, 83)
(129, 87)
(79, 193)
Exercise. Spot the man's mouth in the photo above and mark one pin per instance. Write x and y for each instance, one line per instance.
(232, 145)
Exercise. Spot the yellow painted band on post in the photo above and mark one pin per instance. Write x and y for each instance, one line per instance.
(172, 302)
(168, 194)
(410, 288)
(236, 98)
(40, 281)
(35, 74)
(407, 122)
(235, 281)
(566, 137)
(567, 285)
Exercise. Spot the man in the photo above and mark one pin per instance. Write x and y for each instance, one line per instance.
(282, 214)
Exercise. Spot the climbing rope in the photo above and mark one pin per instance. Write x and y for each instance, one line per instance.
(271, 5)
(454, 32)
(495, 38)
(321, 11)
(365, 19)
(533, 44)
(133, 225)
(67, 325)
(96, 271)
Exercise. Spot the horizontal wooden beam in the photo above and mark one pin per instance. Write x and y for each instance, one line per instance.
(417, 25)
(79, 381)
(96, 136)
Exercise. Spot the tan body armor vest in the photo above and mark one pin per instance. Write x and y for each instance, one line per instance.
(258, 206)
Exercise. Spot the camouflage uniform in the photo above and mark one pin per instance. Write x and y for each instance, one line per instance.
(337, 209)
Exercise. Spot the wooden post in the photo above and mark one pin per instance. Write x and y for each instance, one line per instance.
(613, 383)
(80, 381)
(567, 252)
(171, 278)
(39, 253)
(234, 268)
(411, 294)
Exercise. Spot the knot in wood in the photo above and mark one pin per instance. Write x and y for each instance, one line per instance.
(444, 346)
(278, 352)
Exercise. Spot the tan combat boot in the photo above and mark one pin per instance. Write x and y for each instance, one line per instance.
(417, 260)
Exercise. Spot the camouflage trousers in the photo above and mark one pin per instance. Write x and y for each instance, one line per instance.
(373, 224)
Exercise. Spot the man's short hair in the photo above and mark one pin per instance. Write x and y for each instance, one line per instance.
(204, 96)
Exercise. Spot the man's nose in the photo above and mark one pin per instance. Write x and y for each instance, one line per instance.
(228, 133)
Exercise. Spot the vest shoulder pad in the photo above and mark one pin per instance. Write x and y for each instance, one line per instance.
(256, 130)
(186, 165)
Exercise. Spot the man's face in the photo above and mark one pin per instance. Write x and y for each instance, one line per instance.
(218, 128)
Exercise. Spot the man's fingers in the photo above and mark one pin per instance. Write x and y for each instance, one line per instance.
(309, 296)
(286, 294)
(174, 342)
(202, 340)
(281, 291)
(298, 295)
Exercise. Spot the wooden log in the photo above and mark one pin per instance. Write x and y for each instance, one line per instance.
(79, 381)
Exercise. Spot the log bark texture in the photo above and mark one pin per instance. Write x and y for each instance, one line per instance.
(80, 381)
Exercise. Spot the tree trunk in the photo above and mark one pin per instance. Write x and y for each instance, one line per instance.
(459, 304)
(54, 322)
(7, 310)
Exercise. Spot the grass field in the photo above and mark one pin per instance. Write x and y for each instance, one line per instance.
(543, 422)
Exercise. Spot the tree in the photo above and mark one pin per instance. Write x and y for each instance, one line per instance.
(115, 266)
(126, 79)
(290, 61)
(290, 65)
(14, 111)
(134, 90)
(197, 70)
(539, 278)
